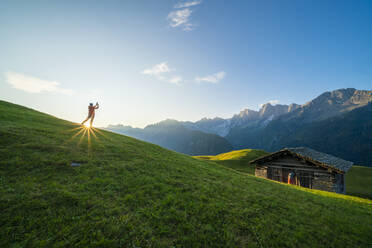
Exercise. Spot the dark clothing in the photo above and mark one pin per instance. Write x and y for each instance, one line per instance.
(91, 110)
(91, 113)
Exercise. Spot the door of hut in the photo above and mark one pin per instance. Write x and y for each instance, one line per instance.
(285, 174)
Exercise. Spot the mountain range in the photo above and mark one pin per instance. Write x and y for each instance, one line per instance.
(173, 135)
(246, 118)
(337, 122)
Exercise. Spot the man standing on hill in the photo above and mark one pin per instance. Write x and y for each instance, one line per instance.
(91, 113)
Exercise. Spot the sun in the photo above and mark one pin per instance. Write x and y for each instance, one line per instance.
(86, 125)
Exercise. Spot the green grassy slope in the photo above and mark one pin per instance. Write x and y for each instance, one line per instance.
(237, 160)
(130, 193)
(359, 181)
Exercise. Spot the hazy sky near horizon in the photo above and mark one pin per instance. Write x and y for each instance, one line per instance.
(148, 60)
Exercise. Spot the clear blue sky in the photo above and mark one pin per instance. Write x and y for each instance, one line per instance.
(146, 61)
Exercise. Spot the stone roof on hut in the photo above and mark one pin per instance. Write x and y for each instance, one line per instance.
(319, 158)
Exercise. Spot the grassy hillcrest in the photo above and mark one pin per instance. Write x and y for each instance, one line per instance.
(238, 160)
(129, 193)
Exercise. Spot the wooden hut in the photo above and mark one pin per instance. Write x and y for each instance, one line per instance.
(304, 167)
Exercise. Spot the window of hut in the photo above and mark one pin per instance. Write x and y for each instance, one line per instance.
(277, 174)
(269, 173)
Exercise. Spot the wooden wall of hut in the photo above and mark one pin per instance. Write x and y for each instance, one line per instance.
(306, 173)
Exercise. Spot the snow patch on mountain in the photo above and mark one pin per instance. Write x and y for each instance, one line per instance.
(246, 118)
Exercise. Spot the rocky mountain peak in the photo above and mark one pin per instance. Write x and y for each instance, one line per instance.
(339, 96)
(361, 97)
(333, 103)
(268, 110)
(342, 94)
(247, 113)
(293, 106)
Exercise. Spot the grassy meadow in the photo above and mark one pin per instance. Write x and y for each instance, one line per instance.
(129, 193)
(237, 160)
(359, 181)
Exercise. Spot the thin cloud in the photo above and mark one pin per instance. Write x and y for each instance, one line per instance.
(180, 18)
(213, 78)
(34, 85)
(187, 4)
(161, 72)
(175, 80)
(157, 69)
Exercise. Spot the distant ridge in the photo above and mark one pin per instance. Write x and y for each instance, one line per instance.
(172, 135)
(246, 118)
